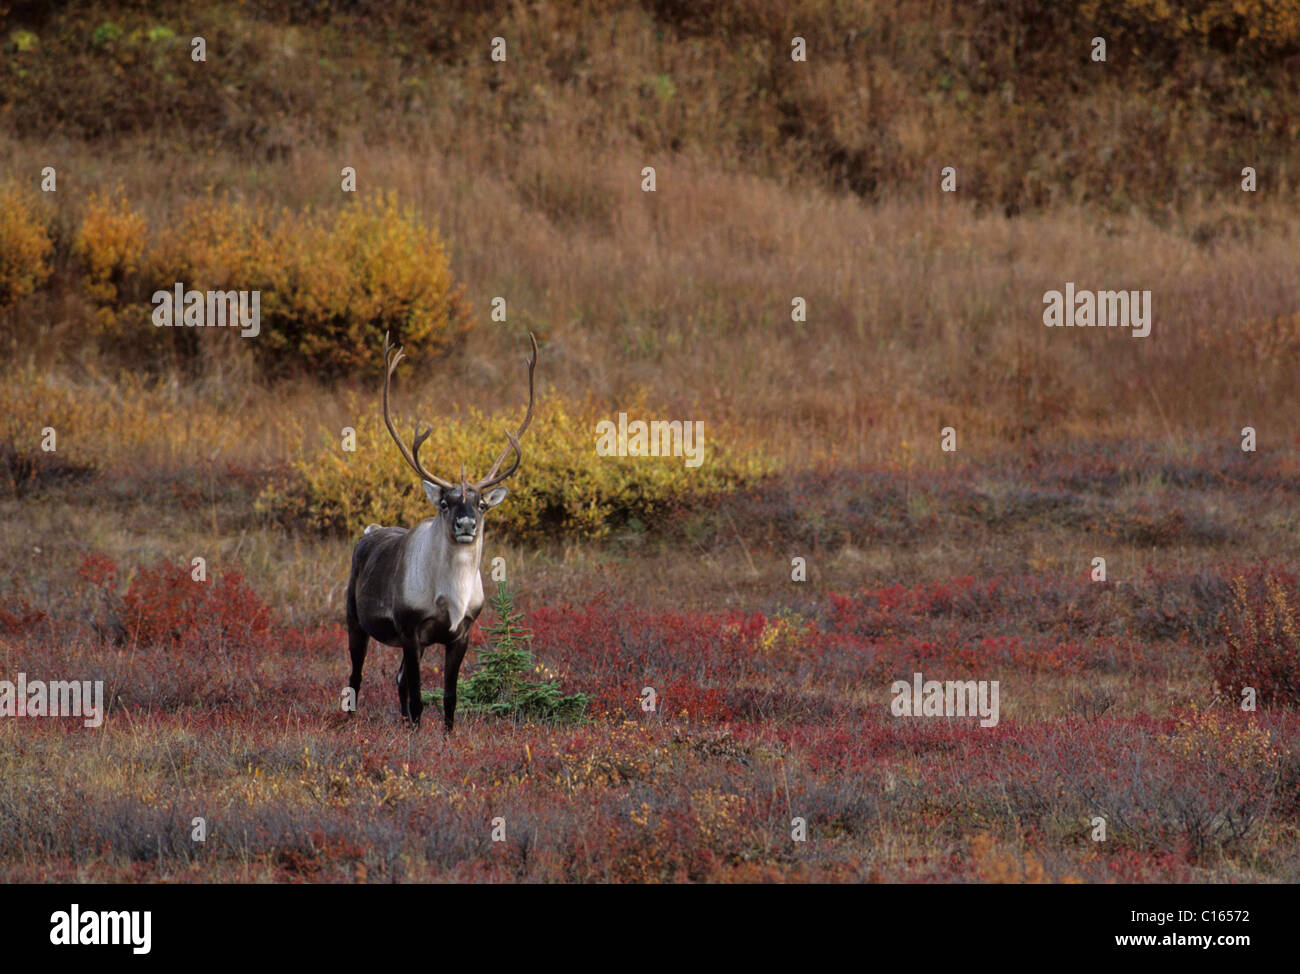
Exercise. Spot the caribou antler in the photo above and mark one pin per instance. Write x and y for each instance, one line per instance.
(391, 357)
(492, 477)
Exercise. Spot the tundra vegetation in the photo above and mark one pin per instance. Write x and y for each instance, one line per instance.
(1120, 700)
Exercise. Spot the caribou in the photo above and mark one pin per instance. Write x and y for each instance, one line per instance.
(413, 588)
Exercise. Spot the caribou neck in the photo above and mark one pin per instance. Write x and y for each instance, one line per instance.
(439, 568)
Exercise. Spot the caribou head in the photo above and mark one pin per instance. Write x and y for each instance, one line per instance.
(460, 506)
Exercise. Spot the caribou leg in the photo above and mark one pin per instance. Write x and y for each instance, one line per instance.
(411, 672)
(455, 655)
(401, 689)
(358, 641)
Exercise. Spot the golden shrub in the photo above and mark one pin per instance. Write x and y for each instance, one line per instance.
(563, 486)
(25, 246)
(110, 242)
(212, 243)
(1262, 24)
(341, 281)
(996, 864)
(330, 283)
(719, 815)
(786, 634)
(1206, 736)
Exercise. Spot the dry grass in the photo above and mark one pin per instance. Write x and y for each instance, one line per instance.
(920, 314)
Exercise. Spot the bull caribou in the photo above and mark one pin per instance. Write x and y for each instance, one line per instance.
(412, 588)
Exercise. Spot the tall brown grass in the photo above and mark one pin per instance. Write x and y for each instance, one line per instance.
(924, 308)
(920, 314)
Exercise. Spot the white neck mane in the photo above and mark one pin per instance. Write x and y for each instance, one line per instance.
(438, 568)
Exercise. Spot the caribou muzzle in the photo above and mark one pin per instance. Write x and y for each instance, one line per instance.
(465, 530)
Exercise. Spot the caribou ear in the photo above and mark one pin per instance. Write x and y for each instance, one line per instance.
(494, 496)
(433, 492)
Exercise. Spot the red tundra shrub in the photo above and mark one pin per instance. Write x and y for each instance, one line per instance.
(25, 618)
(612, 652)
(98, 570)
(1259, 639)
(164, 604)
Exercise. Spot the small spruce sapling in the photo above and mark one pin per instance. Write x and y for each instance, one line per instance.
(499, 686)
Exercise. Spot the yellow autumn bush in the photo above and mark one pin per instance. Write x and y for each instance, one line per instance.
(110, 243)
(1257, 24)
(341, 281)
(213, 243)
(563, 486)
(330, 283)
(1206, 735)
(25, 246)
